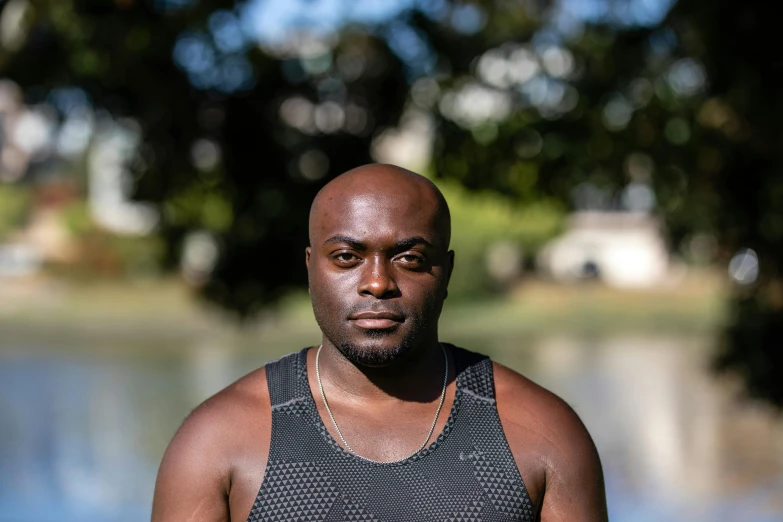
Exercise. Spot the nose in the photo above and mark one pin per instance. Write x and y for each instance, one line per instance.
(378, 279)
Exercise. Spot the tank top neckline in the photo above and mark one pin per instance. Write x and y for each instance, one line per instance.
(327, 436)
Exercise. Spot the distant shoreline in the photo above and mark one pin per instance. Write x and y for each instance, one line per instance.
(166, 312)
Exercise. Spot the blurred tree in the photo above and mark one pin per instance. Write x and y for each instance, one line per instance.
(236, 140)
(617, 111)
(599, 104)
(14, 208)
(741, 158)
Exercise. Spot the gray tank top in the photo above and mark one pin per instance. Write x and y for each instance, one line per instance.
(467, 473)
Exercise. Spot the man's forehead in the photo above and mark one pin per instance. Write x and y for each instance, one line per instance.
(375, 215)
(375, 199)
(370, 202)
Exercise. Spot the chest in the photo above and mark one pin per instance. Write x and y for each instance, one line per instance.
(386, 432)
(466, 472)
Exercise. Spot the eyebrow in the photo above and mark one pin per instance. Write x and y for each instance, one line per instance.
(358, 245)
(412, 241)
(355, 243)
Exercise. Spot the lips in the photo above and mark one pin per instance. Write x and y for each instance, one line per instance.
(376, 320)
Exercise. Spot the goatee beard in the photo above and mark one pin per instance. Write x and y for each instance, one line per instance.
(373, 356)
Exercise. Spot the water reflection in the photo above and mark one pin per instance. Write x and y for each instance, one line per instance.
(81, 435)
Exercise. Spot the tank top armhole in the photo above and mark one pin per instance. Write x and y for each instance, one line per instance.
(513, 466)
(282, 392)
(281, 379)
(474, 374)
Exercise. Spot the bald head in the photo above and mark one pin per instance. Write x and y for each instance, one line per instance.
(377, 185)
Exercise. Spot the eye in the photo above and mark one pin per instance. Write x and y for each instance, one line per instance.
(412, 260)
(345, 259)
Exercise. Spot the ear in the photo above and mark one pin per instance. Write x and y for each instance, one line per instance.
(307, 264)
(449, 270)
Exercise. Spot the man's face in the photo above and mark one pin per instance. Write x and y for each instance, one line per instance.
(378, 271)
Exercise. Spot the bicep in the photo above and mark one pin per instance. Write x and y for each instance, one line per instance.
(574, 482)
(191, 484)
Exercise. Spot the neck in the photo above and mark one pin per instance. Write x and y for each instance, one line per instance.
(416, 378)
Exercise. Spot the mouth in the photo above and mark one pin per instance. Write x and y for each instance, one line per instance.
(376, 320)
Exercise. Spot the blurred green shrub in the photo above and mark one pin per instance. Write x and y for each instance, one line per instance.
(99, 253)
(15, 204)
(483, 220)
(201, 206)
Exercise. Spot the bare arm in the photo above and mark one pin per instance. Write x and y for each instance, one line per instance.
(214, 465)
(574, 480)
(552, 449)
(193, 478)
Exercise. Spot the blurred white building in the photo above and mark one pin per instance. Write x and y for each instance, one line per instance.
(621, 249)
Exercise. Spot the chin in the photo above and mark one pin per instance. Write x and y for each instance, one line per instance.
(377, 349)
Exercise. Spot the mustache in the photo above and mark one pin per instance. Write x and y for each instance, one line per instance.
(380, 307)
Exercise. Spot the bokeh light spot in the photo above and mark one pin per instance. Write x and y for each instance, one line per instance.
(744, 267)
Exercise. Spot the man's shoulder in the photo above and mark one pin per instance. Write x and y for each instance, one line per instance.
(234, 419)
(226, 425)
(220, 448)
(537, 421)
(525, 405)
(524, 397)
(234, 401)
(551, 447)
(534, 408)
(246, 399)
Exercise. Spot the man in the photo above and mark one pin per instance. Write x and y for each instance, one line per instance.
(381, 421)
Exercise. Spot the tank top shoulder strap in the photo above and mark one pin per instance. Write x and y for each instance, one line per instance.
(285, 377)
(474, 374)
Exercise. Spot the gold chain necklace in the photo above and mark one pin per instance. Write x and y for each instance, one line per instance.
(337, 428)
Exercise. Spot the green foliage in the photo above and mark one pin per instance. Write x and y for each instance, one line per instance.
(77, 219)
(100, 253)
(200, 206)
(482, 219)
(139, 255)
(14, 208)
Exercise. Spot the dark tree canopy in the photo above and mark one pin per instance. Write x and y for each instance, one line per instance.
(526, 100)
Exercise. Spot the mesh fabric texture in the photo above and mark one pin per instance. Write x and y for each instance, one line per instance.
(466, 474)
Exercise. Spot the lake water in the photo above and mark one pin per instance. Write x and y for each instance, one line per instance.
(84, 421)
